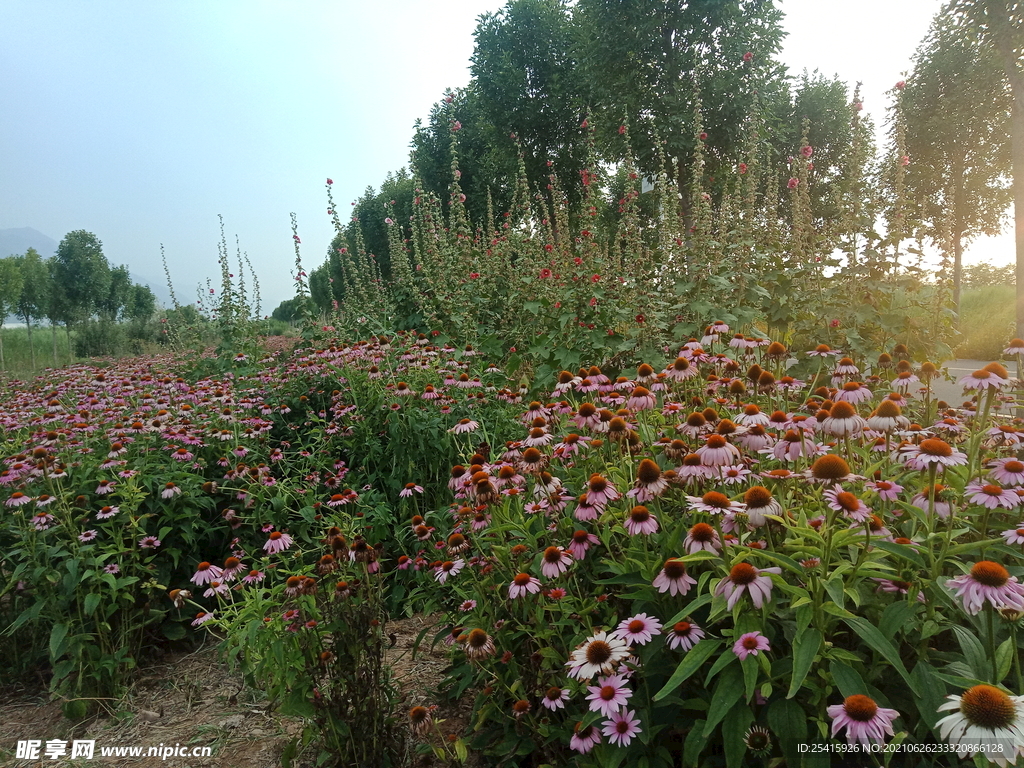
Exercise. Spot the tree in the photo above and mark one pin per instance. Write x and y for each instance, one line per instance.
(83, 274)
(1001, 27)
(650, 63)
(113, 303)
(956, 108)
(10, 292)
(528, 82)
(290, 310)
(140, 303)
(31, 304)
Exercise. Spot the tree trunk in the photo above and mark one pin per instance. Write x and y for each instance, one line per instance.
(3, 366)
(67, 335)
(31, 349)
(53, 334)
(958, 257)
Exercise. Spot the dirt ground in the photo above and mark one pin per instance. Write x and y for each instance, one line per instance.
(194, 700)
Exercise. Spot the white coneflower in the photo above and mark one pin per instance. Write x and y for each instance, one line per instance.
(843, 421)
(986, 721)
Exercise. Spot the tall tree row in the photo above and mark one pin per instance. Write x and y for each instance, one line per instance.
(76, 289)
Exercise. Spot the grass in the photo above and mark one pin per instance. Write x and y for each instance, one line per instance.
(18, 356)
(987, 317)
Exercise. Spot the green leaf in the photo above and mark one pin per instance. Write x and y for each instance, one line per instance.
(847, 679)
(974, 652)
(92, 600)
(788, 722)
(805, 649)
(1004, 658)
(900, 550)
(933, 693)
(733, 730)
(895, 617)
(57, 637)
(727, 693)
(693, 660)
(869, 633)
(694, 744)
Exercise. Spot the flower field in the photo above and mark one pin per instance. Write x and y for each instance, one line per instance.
(741, 554)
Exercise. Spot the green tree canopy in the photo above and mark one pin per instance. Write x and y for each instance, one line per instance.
(83, 275)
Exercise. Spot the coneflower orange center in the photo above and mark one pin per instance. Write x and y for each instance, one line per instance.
(648, 472)
(552, 555)
(847, 501)
(830, 467)
(935, 447)
(640, 514)
(750, 643)
(681, 627)
(702, 532)
(990, 574)
(598, 652)
(860, 708)
(742, 573)
(842, 410)
(675, 569)
(521, 579)
(988, 707)
(477, 638)
(716, 499)
(636, 626)
(757, 496)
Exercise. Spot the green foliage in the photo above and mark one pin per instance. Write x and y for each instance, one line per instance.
(986, 320)
(82, 277)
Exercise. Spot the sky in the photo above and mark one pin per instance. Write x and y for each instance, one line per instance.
(141, 122)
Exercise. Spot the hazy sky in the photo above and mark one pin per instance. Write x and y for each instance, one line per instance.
(140, 122)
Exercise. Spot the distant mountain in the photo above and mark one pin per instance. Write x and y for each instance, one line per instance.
(14, 242)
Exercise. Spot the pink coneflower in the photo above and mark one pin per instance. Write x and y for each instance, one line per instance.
(847, 503)
(555, 562)
(622, 727)
(714, 503)
(863, 719)
(170, 491)
(581, 542)
(988, 582)
(278, 542)
(409, 489)
(896, 587)
(743, 577)
(86, 536)
(105, 487)
(932, 452)
(18, 499)
(113, 568)
(182, 454)
(702, 537)
(448, 569)
(254, 577)
(554, 698)
(1014, 535)
(149, 542)
(683, 635)
(986, 722)
(216, 588)
(641, 399)
(982, 379)
(717, 452)
(639, 629)
(478, 644)
(732, 475)
(464, 426)
(843, 421)
(600, 491)
(610, 693)
(1008, 471)
(598, 655)
(205, 573)
(522, 584)
(673, 577)
(584, 738)
(650, 482)
(991, 496)
(467, 606)
(42, 520)
(853, 392)
(760, 503)
(641, 521)
(750, 644)
(202, 617)
(886, 490)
